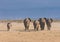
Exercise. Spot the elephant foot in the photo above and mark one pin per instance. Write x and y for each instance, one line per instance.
(27, 30)
(8, 29)
(42, 29)
(37, 29)
(48, 28)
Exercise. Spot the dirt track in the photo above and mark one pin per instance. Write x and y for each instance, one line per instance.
(17, 33)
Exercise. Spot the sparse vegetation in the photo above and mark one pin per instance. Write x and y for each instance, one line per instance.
(20, 21)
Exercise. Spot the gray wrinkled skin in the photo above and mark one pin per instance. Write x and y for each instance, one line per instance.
(27, 23)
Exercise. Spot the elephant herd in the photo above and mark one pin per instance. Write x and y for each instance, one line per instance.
(36, 23)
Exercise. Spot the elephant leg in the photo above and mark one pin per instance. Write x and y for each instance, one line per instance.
(8, 28)
(49, 26)
(34, 27)
(28, 28)
(37, 29)
(42, 27)
(25, 29)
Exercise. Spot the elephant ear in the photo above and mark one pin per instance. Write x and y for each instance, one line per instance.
(51, 20)
(39, 19)
(34, 22)
(24, 20)
(45, 18)
(29, 19)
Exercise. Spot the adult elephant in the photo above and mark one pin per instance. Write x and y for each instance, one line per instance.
(48, 23)
(42, 23)
(27, 23)
(36, 25)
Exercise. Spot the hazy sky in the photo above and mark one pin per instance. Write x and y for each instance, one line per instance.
(12, 9)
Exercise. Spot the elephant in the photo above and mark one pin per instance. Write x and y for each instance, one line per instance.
(42, 22)
(48, 23)
(27, 23)
(8, 26)
(36, 25)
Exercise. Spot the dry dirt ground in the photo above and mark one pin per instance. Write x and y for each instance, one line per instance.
(17, 33)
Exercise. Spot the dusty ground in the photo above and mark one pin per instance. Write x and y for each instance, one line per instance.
(17, 33)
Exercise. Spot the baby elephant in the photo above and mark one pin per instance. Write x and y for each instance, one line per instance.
(27, 23)
(36, 25)
(8, 26)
